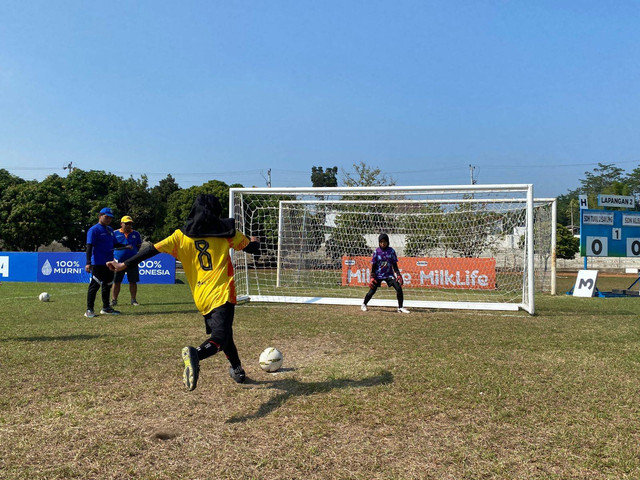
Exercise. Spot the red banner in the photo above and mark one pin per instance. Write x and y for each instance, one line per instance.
(460, 273)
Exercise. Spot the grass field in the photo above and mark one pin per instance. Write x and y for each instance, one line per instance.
(375, 395)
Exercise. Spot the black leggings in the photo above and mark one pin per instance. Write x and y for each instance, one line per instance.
(101, 278)
(392, 282)
(219, 324)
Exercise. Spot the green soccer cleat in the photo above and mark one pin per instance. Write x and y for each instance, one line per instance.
(191, 367)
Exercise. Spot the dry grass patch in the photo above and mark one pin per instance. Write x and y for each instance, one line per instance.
(371, 395)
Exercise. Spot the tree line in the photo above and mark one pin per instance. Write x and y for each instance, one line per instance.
(604, 179)
(62, 209)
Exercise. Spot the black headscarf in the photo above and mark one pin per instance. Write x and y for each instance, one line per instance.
(204, 219)
(385, 237)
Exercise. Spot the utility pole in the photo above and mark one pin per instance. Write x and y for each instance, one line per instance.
(471, 169)
(268, 178)
(571, 210)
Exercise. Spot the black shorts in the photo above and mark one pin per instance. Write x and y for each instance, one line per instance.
(390, 281)
(132, 274)
(220, 320)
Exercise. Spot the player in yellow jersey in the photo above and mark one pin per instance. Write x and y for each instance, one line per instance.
(202, 246)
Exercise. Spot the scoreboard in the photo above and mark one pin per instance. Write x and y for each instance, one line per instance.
(606, 233)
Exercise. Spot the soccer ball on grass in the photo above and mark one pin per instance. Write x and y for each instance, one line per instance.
(44, 297)
(270, 359)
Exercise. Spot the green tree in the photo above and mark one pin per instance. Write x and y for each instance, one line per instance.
(633, 181)
(7, 180)
(33, 213)
(470, 229)
(133, 197)
(346, 241)
(180, 203)
(160, 195)
(327, 178)
(568, 208)
(424, 227)
(87, 193)
(603, 177)
(566, 244)
(366, 176)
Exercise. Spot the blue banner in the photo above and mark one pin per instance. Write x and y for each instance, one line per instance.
(18, 267)
(68, 267)
(158, 269)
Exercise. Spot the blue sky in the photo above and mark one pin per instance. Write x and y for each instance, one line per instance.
(525, 91)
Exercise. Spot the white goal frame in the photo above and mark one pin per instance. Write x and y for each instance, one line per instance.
(474, 194)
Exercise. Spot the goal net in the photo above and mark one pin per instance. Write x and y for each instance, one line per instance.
(462, 247)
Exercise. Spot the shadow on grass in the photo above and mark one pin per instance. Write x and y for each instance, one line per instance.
(146, 304)
(292, 388)
(124, 313)
(62, 338)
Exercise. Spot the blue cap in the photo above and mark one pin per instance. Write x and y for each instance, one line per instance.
(106, 211)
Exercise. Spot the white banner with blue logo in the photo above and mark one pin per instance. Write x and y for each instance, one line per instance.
(68, 267)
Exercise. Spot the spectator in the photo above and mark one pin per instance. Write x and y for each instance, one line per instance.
(126, 235)
(100, 245)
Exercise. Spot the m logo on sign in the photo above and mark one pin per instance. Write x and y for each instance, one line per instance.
(585, 283)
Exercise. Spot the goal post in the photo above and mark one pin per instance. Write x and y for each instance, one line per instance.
(484, 247)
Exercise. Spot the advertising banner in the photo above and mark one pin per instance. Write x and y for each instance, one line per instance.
(158, 269)
(18, 267)
(68, 267)
(425, 272)
(58, 267)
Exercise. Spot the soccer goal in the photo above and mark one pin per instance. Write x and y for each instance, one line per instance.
(485, 247)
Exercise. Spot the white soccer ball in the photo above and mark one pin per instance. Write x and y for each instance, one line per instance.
(271, 359)
(44, 297)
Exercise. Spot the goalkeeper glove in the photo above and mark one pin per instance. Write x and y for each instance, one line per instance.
(400, 280)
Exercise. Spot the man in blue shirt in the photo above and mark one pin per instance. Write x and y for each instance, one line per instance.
(100, 245)
(129, 237)
(384, 268)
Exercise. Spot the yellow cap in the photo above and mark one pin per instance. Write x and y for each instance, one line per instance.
(126, 219)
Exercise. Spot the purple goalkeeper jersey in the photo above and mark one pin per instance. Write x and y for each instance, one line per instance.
(383, 261)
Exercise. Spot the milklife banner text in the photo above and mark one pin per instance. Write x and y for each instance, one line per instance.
(424, 272)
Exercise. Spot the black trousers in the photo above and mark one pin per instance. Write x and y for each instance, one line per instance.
(101, 278)
(391, 282)
(219, 324)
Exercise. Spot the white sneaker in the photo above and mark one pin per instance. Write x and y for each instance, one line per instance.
(403, 310)
(89, 314)
(363, 307)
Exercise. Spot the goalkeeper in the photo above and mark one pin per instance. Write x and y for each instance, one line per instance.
(202, 246)
(384, 264)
